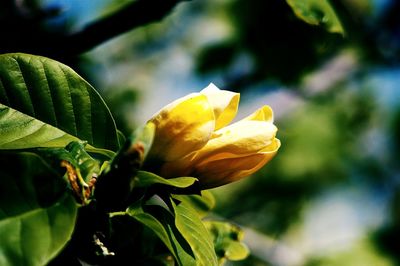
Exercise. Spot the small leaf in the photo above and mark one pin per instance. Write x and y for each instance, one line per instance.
(188, 223)
(227, 239)
(146, 179)
(235, 250)
(81, 169)
(37, 215)
(317, 12)
(48, 95)
(87, 166)
(203, 203)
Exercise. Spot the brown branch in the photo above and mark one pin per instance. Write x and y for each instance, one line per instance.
(134, 15)
(25, 33)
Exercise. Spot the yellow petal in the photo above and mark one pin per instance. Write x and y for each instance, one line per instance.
(224, 103)
(181, 167)
(263, 114)
(237, 140)
(182, 127)
(220, 172)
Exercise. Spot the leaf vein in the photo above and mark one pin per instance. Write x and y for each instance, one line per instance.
(92, 133)
(195, 231)
(198, 239)
(5, 91)
(70, 98)
(25, 86)
(45, 71)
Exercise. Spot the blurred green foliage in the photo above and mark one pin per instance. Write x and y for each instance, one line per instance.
(320, 140)
(359, 255)
(342, 136)
(317, 13)
(281, 46)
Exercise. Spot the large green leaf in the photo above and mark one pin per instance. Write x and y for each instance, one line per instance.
(56, 97)
(188, 223)
(20, 131)
(37, 215)
(161, 222)
(317, 12)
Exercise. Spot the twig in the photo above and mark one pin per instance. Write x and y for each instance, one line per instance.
(19, 27)
(134, 15)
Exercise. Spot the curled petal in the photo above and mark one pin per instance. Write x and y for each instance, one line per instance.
(237, 140)
(263, 114)
(224, 103)
(223, 171)
(182, 127)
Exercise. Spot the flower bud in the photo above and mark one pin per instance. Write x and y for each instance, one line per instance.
(182, 127)
(193, 138)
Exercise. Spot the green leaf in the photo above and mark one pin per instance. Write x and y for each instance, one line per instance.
(146, 179)
(82, 169)
(161, 222)
(37, 215)
(227, 239)
(203, 203)
(81, 160)
(48, 95)
(20, 131)
(191, 227)
(317, 12)
(121, 136)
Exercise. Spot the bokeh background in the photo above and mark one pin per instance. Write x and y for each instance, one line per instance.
(331, 196)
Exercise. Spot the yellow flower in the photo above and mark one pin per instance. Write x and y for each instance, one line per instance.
(193, 138)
